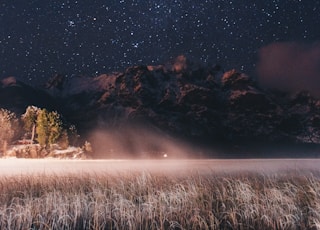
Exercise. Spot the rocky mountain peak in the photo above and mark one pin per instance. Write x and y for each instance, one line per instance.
(235, 80)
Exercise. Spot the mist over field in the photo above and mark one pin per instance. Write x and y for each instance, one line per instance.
(164, 166)
(140, 143)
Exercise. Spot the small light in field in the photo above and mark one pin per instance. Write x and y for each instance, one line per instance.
(165, 155)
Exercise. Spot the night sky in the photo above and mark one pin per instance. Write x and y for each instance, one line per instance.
(39, 38)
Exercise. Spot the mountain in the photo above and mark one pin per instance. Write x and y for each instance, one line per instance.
(16, 96)
(153, 108)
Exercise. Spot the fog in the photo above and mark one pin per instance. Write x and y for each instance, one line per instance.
(290, 66)
(138, 142)
(18, 167)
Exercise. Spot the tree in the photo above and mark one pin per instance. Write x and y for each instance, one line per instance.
(42, 128)
(73, 135)
(49, 127)
(29, 119)
(54, 127)
(9, 127)
(63, 141)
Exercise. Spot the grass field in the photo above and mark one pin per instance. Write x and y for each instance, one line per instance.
(143, 200)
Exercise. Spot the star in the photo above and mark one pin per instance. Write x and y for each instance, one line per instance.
(40, 38)
(71, 23)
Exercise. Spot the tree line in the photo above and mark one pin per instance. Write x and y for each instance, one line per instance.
(36, 125)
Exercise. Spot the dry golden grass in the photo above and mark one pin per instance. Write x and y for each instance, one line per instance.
(151, 201)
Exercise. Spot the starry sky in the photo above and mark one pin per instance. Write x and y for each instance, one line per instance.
(39, 38)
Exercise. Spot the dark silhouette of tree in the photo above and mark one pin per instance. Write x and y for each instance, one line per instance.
(73, 135)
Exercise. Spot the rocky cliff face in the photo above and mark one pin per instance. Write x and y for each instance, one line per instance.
(201, 105)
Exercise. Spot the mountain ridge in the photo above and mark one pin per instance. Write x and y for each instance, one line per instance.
(202, 106)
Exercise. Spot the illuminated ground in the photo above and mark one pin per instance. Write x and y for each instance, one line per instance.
(22, 166)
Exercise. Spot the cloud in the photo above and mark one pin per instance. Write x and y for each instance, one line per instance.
(290, 66)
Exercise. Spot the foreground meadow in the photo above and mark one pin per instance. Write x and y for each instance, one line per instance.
(142, 200)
